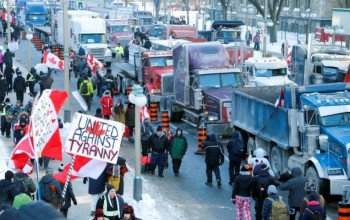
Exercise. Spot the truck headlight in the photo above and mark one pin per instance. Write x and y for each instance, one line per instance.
(227, 104)
(336, 171)
(213, 118)
(155, 91)
(108, 52)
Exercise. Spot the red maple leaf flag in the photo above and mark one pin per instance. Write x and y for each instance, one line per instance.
(144, 113)
(45, 126)
(94, 63)
(82, 167)
(96, 129)
(22, 153)
(52, 61)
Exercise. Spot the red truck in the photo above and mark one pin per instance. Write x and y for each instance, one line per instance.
(118, 31)
(185, 32)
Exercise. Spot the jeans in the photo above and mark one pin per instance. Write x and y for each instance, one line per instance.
(87, 99)
(210, 169)
(19, 96)
(131, 131)
(233, 170)
(176, 165)
(158, 159)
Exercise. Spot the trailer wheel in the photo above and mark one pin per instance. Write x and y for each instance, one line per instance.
(276, 162)
(312, 176)
(251, 144)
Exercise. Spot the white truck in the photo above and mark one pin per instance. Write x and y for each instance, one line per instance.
(267, 71)
(85, 30)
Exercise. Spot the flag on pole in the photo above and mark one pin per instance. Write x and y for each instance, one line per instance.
(144, 113)
(94, 63)
(52, 61)
(22, 153)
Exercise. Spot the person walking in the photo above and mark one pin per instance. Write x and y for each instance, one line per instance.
(256, 41)
(295, 186)
(314, 210)
(111, 203)
(146, 131)
(242, 192)
(107, 103)
(13, 112)
(268, 211)
(3, 88)
(119, 112)
(235, 150)
(19, 86)
(119, 52)
(24, 183)
(8, 190)
(1, 60)
(5, 124)
(80, 4)
(248, 37)
(68, 197)
(310, 189)
(87, 91)
(130, 120)
(214, 153)
(50, 189)
(178, 148)
(8, 73)
(159, 146)
(31, 80)
(8, 58)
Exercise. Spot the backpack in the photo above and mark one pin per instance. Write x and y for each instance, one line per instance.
(279, 209)
(262, 186)
(84, 89)
(316, 215)
(46, 192)
(23, 184)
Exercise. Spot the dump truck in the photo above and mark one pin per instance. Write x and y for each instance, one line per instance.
(224, 31)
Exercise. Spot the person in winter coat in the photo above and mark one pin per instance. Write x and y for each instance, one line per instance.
(119, 112)
(56, 189)
(46, 81)
(267, 205)
(8, 190)
(310, 189)
(29, 106)
(20, 200)
(314, 208)
(80, 66)
(111, 203)
(19, 86)
(296, 191)
(90, 91)
(213, 155)
(106, 103)
(8, 73)
(98, 113)
(235, 150)
(31, 79)
(146, 131)
(37, 210)
(24, 183)
(8, 58)
(260, 189)
(159, 146)
(21, 130)
(118, 170)
(178, 148)
(1, 60)
(256, 41)
(13, 112)
(242, 192)
(3, 88)
(68, 197)
(5, 125)
(259, 159)
(99, 83)
(130, 120)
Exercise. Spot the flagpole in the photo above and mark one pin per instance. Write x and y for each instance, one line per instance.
(67, 179)
(36, 157)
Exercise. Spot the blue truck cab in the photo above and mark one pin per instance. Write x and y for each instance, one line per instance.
(35, 14)
(305, 126)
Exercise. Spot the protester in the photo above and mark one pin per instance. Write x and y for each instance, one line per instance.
(1, 58)
(147, 44)
(214, 154)
(81, 52)
(248, 37)
(111, 203)
(24, 183)
(242, 192)
(80, 66)
(99, 83)
(106, 103)
(259, 159)
(130, 120)
(314, 209)
(87, 91)
(68, 196)
(119, 112)
(5, 121)
(146, 131)
(8, 58)
(8, 189)
(29, 106)
(20, 200)
(3, 88)
(159, 146)
(310, 189)
(31, 79)
(37, 210)
(115, 175)
(8, 73)
(21, 129)
(296, 191)
(271, 211)
(99, 215)
(256, 41)
(178, 149)
(235, 149)
(50, 189)
(13, 113)
(119, 52)
(129, 212)
(19, 86)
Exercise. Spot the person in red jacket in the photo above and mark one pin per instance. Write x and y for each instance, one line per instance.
(106, 103)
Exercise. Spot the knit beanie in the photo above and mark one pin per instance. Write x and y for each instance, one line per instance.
(310, 187)
(20, 200)
(109, 187)
(245, 168)
(99, 213)
(9, 175)
(159, 128)
(272, 190)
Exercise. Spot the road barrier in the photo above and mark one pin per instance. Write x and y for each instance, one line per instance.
(343, 211)
(128, 90)
(154, 111)
(24, 35)
(165, 120)
(202, 137)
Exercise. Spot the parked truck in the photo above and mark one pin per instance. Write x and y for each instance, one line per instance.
(85, 30)
(118, 31)
(224, 31)
(304, 127)
(33, 15)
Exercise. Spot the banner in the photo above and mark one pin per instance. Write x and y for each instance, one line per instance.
(95, 138)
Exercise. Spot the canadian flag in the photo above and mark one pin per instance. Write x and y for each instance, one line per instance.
(22, 153)
(289, 57)
(52, 61)
(46, 134)
(82, 167)
(4, 17)
(93, 63)
(144, 113)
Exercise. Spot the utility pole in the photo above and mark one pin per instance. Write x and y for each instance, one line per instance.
(67, 112)
(8, 14)
(265, 28)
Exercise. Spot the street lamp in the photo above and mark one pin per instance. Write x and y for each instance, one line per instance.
(29, 37)
(139, 99)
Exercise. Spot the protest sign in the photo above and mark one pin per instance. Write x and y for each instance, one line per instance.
(95, 138)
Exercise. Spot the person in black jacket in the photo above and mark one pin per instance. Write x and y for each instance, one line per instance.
(8, 190)
(242, 192)
(8, 58)
(213, 154)
(3, 88)
(8, 75)
(31, 79)
(24, 183)
(68, 197)
(5, 125)
(55, 186)
(235, 149)
(159, 145)
(111, 203)
(19, 86)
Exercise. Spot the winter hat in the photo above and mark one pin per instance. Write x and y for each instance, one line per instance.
(245, 168)
(98, 110)
(310, 187)
(159, 128)
(128, 209)
(38, 210)
(109, 187)
(7, 100)
(272, 190)
(99, 213)
(20, 200)
(9, 175)
(49, 171)
(18, 102)
(60, 169)
(312, 197)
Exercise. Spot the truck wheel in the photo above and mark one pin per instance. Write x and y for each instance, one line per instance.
(251, 144)
(276, 162)
(312, 176)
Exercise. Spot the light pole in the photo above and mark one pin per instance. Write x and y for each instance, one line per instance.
(8, 14)
(265, 28)
(139, 99)
(29, 37)
(67, 112)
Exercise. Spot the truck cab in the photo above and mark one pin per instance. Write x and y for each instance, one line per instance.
(144, 20)
(227, 31)
(35, 14)
(118, 31)
(269, 71)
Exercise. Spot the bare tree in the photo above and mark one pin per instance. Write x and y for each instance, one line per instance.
(274, 9)
(344, 3)
(224, 7)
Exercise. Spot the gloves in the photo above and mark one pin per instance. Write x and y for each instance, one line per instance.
(75, 202)
(233, 201)
(85, 180)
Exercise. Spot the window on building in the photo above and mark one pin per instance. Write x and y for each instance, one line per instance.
(286, 3)
(307, 4)
(296, 3)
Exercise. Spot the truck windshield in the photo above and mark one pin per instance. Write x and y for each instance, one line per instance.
(37, 17)
(144, 21)
(161, 61)
(270, 72)
(222, 80)
(329, 71)
(92, 38)
(335, 120)
(120, 28)
(230, 35)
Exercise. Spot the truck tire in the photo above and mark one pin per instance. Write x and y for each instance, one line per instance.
(276, 161)
(312, 176)
(251, 144)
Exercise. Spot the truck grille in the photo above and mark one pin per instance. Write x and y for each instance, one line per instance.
(99, 52)
(123, 41)
(167, 84)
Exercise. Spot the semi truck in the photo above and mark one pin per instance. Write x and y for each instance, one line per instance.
(33, 15)
(304, 126)
(85, 30)
(118, 31)
(224, 31)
